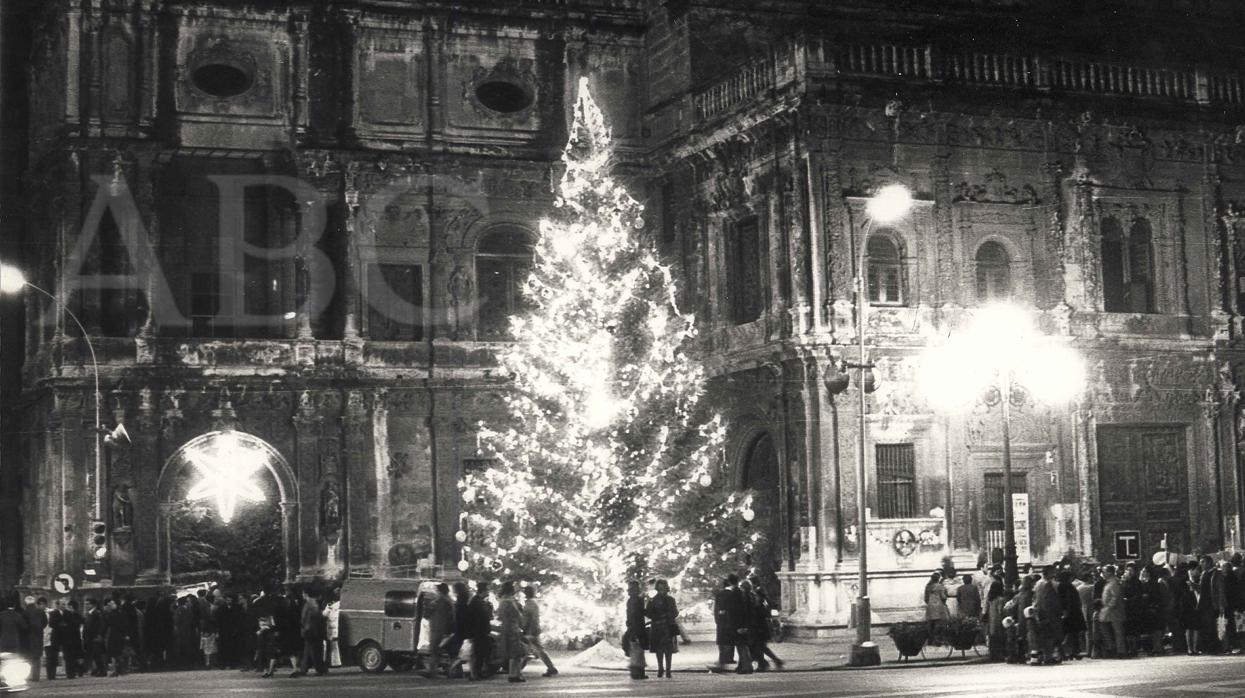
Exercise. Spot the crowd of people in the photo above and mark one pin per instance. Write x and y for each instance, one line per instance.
(744, 627)
(214, 629)
(1061, 613)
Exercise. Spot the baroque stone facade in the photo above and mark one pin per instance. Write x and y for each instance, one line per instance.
(1104, 183)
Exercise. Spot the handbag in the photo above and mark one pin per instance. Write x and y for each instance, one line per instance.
(626, 643)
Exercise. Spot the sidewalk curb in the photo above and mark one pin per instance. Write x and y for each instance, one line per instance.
(895, 664)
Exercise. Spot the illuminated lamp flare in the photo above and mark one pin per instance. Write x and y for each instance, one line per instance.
(891, 203)
(225, 466)
(11, 279)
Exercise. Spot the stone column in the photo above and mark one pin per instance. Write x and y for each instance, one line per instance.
(350, 196)
(306, 467)
(793, 212)
(149, 54)
(382, 507)
(94, 26)
(350, 91)
(360, 482)
(145, 448)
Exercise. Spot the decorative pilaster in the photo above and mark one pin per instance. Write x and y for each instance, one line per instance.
(147, 466)
(301, 71)
(350, 93)
(350, 196)
(360, 483)
(149, 55)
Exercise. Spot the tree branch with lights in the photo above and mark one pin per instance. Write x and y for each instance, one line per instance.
(611, 467)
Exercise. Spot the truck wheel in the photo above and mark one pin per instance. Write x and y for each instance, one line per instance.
(371, 658)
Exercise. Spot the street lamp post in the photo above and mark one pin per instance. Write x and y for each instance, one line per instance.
(12, 281)
(1001, 352)
(890, 204)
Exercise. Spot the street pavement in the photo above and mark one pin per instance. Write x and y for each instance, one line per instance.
(1165, 677)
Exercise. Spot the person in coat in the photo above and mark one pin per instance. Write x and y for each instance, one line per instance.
(996, 631)
(1049, 617)
(636, 638)
(531, 629)
(462, 597)
(1186, 609)
(761, 627)
(311, 627)
(663, 615)
(93, 638)
(934, 599)
(13, 627)
(114, 637)
(71, 639)
(440, 615)
(55, 633)
(479, 628)
(1111, 616)
(1209, 606)
(968, 598)
(36, 622)
(510, 640)
(730, 614)
(1072, 621)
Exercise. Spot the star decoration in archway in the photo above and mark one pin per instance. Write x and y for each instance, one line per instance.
(226, 467)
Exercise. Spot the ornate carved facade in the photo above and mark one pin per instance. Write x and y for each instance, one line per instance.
(1100, 191)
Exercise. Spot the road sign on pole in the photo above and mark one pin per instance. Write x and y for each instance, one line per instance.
(63, 583)
(1127, 545)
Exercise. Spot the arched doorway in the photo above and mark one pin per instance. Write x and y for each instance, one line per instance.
(223, 470)
(760, 474)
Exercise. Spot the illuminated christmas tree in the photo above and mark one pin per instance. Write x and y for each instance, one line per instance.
(611, 467)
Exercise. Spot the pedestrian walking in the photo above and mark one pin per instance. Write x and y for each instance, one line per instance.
(311, 625)
(1048, 617)
(479, 629)
(763, 630)
(730, 612)
(1111, 617)
(52, 636)
(510, 639)
(996, 630)
(1187, 620)
(934, 599)
(114, 636)
(531, 630)
(13, 626)
(36, 623)
(968, 598)
(71, 639)
(93, 638)
(332, 625)
(460, 647)
(663, 615)
(1072, 623)
(636, 638)
(440, 615)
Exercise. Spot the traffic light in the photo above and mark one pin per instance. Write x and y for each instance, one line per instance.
(99, 539)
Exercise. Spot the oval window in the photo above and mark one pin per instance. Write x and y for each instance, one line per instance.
(503, 96)
(221, 79)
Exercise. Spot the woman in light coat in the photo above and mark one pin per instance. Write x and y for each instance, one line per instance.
(935, 600)
(332, 616)
(510, 641)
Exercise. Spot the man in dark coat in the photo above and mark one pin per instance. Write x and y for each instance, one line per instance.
(12, 627)
(637, 636)
(93, 637)
(730, 612)
(70, 639)
(311, 623)
(479, 629)
(440, 615)
(56, 622)
(36, 621)
(114, 637)
(1073, 621)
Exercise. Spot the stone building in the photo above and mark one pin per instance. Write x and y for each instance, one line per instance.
(1071, 159)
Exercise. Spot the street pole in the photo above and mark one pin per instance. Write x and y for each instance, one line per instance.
(864, 650)
(1010, 571)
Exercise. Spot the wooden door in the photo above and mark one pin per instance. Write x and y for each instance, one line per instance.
(1142, 476)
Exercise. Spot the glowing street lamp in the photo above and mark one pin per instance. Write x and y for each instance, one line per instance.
(12, 282)
(888, 205)
(1001, 358)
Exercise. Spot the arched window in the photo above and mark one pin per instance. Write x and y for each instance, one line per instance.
(994, 272)
(886, 274)
(1127, 268)
(503, 261)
